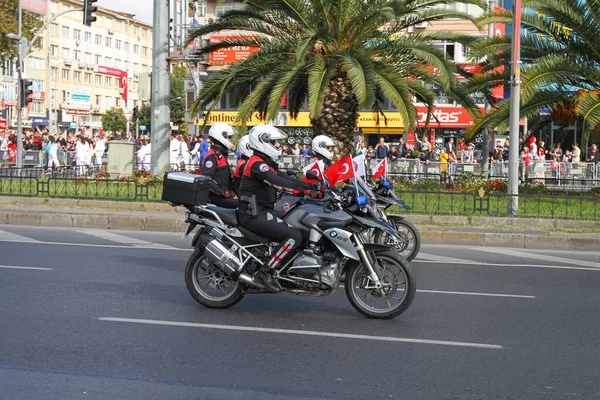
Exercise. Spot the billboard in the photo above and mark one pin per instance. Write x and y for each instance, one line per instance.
(122, 76)
(231, 54)
(78, 100)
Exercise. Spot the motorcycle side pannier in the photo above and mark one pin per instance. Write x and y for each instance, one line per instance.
(185, 189)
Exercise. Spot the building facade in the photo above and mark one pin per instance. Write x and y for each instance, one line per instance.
(93, 69)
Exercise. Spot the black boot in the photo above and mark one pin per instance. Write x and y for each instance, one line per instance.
(265, 277)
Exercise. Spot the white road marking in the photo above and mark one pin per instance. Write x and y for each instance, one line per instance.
(484, 264)
(12, 237)
(33, 268)
(122, 239)
(517, 296)
(301, 332)
(537, 256)
(109, 246)
(442, 259)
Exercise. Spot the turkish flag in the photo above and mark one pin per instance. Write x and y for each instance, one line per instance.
(340, 171)
(317, 168)
(380, 170)
(124, 84)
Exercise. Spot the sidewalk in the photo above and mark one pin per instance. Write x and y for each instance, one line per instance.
(160, 217)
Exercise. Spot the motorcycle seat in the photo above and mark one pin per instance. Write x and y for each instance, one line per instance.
(228, 215)
(253, 236)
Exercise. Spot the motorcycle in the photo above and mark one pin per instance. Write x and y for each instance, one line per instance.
(379, 283)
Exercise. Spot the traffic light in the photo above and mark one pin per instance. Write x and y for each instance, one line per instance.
(88, 12)
(135, 113)
(25, 92)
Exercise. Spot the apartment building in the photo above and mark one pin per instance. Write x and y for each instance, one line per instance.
(92, 69)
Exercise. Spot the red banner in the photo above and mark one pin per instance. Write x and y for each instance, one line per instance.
(499, 30)
(124, 79)
(231, 54)
(445, 117)
(2, 124)
(36, 6)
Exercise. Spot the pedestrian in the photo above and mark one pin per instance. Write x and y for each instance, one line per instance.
(593, 154)
(382, 150)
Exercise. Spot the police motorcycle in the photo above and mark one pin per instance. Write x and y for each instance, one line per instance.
(407, 241)
(379, 283)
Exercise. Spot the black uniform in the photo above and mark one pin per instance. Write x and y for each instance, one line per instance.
(239, 171)
(258, 194)
(217, 168)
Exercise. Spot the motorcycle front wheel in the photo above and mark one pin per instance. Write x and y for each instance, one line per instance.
(409, 244)
(210, 286)
(395, 296)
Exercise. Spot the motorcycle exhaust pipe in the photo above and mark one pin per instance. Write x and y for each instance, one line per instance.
(249, 281)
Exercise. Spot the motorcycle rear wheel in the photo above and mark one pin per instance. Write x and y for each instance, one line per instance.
(410, 243)
(210, 286)
(391, 300)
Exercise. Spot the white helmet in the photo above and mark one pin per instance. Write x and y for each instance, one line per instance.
(222, 133)
(263, 138)
(321, 145)
(244, 146)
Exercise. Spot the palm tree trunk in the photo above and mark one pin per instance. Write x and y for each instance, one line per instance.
(339, 116)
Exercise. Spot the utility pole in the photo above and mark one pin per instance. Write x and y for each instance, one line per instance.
(485, 151)
(160, 113)
(515, 106)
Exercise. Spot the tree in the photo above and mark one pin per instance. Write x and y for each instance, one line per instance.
(114, 120)
(9, 10)
(561, 64)
(178, 96)
(341, 56)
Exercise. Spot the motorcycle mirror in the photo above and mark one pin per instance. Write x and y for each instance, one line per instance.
(311, 175)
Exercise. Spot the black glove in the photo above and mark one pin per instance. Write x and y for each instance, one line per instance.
(318, 186)
(313, 194)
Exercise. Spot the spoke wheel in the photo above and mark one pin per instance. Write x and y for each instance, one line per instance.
(397, 291)
(210, 286)
(409, 243)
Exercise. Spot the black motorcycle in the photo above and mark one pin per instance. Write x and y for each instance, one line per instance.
(379, 283)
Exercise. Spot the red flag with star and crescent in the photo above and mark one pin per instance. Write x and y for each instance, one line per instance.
(380, 170)
(340, 171)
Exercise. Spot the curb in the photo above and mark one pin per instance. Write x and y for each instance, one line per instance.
(174, 222)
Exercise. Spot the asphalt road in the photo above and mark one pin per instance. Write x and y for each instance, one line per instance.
(106, 315)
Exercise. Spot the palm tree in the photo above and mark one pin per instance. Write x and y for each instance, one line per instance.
(561, 59)
(337, 55)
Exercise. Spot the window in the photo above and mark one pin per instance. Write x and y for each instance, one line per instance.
(447, 47)
(108, 61)
(98, 59)
(117, 25)
(77, 55)
(98, 40)
(117, 83)
(54, 95)
(117, 63)
(136, 49)
(65, 74)
(37, 107)
(126, 46)
(144, 68)
(108, 42)
(87, 78)
(38, 85)
(76, 34)
(136, 68)
(144, 33)
(118, 102)
(53, 72)
(117, 44)
(109, 22)
(66, 32)
(98, 99)
(88, 37)
(53, 50)
(126, 65)
(77, 76)
(107, 81)
(107, 101)
(65, 53)
(228, 5)
(144, 51)
(64, 95)
(88, 58)
(98, 80)
(36, 63)
(135, 30)
(53, 7)
(53, 29)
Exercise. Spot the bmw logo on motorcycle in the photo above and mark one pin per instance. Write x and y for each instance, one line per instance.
(333, 234)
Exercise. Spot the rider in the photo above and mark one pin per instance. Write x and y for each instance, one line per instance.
(322, 147)
(258, 195)
(244, 149)
(217, 167)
